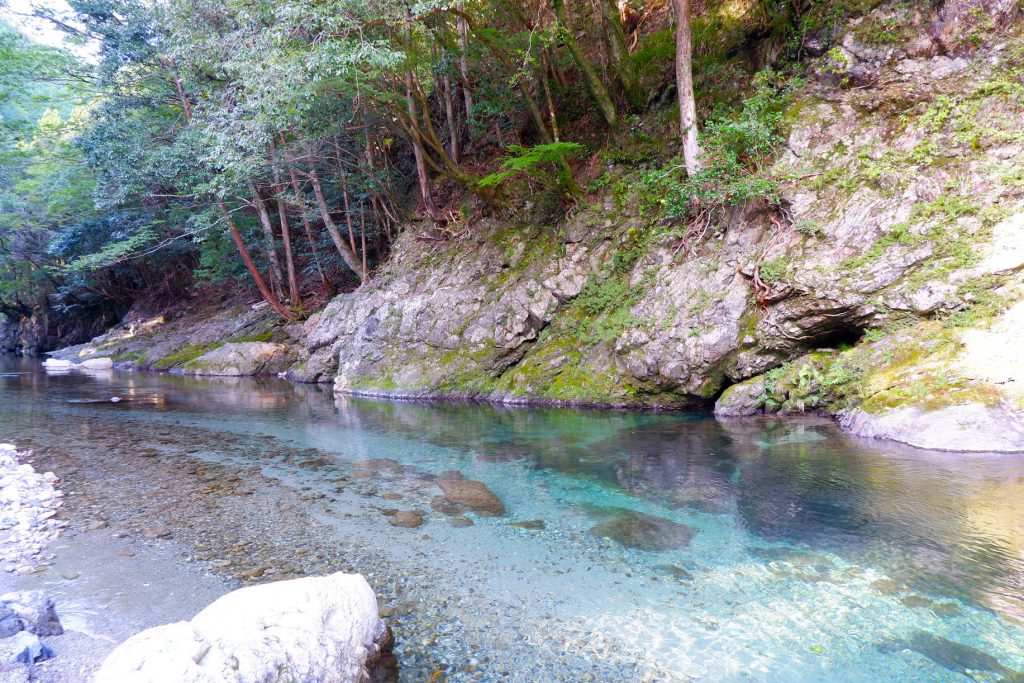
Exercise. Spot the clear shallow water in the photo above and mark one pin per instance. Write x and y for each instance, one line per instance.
(810, 557)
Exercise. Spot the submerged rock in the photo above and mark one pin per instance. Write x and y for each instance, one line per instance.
(530, 525)
(409, 519)
(642, 531)
(950, 654)
(323, 629)
(445, 506)
(470, 494)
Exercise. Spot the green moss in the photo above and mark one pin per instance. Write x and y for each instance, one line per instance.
(184, 355)
(125, 356)
(262, 337)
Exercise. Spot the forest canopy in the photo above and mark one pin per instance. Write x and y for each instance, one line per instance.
(287, 144)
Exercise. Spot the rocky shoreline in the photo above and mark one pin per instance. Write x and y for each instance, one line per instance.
(29, 502)
(892, 298)
(337, 625)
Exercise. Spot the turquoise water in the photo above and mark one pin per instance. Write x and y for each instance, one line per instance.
(675, 547)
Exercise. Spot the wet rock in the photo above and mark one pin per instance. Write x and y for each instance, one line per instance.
(970, 427)
(445, 506)
(676, 572)
(459, 521)
(886, 586)
(391, 496)
(97, 364)
(155, 532)
(323, 629)
(242, 358)
(642, 531)
(36, 611)
(313, 464)
(26, 648)
(254, 573)
(945, 609)
(530, 525)
(409, 519)
(949, 654)
(96, 525)
(10, 623)
(473, 495)
(916, 601)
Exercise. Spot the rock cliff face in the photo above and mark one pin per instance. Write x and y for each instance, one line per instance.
(904, 209)
(902, 226)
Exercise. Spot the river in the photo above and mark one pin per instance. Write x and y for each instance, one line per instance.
(660, 546)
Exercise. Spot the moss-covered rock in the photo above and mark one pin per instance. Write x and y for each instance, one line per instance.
(239, 359)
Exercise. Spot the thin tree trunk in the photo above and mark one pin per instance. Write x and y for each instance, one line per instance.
(417, 152)
(286, 238)
(332, 229)
(268, 296)
(467, 96)
(277, 276)
(684, 86)
(453, 130)
(594, 83)
(328, 287)
(547, 94)
(531, 103)
(362, 237)
(348, 214)
(620, 51)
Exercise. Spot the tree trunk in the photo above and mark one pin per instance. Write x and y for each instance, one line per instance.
(286, 238)
(547, 94)
(453, 130)
(328, 287)
(268, 296)
(684, 87)
(620, 51)
(417, 152)
(332, 229)
(467, 95)
(348, 214)
(531, 103)
(362, 237)
(594, 83)
(276, 275)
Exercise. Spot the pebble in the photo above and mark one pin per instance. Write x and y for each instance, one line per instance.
(155, 532)
(409, 519)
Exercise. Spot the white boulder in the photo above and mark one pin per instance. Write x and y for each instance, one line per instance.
(56, 364)
(97, 364)
(319, 629)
